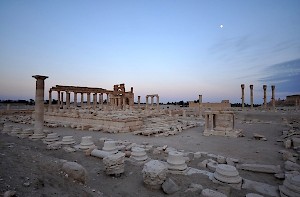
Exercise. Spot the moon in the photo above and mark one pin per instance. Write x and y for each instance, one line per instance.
(221, 26)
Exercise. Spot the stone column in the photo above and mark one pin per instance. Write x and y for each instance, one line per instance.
(243, 95)
(265, 96)
(81, 100)
(68, 99)
(251, 96)
(200, 105)
(206, 122)
(273, 96)
(107, 99)
(88, 99)
(58, 99)
(157, 102)
(139, 102)
(124, 103)
(61, 99)
(39, 107)
(101, 99)
(94, 100)
(50, 99)
(147, 102)
(211, 121)
(75, 99)
(152, 98)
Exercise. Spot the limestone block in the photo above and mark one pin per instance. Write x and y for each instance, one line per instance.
(169, 186)
(197, 155)
(288, 165)
(114, 163)
(176, 162)
(86, 143)
(227, 174)
(288, 143)
(194, 188)
(51, 138)
(253, 195)
(138, 154)
(296, 142)
(260, 187)
(260, 168)
(221, 159)
(110, 146)
(212, 165)
(68, 140)
(75, 171)
(100, 153)
(154, 173)
(291, 186)
(212, 193)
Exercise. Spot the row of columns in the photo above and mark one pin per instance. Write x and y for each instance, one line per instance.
(265, 96)
(152, 101)
(60, 100)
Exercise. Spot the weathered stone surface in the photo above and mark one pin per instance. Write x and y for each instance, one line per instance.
(154, 173)
(212, 193)
(288, 165)
(253, 195)
(291, 186)
(114, 163)
(262, 188)
(75, 171)
(227, 174)
(260, 168)
(9, 193)
(169, 186)
(194, 188)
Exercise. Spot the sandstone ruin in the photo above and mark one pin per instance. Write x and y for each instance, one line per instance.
(212, 146)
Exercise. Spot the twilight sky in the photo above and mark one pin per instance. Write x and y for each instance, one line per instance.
(173, 48)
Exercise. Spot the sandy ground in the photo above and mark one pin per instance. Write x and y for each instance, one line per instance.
(29, 169)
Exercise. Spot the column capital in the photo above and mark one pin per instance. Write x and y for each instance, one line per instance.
(40, 77)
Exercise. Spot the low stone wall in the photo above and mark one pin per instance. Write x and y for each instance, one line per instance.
(98, 123)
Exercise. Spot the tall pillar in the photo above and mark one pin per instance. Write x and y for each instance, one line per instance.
(39, 107)
(124, 103)
(157, 102)
(147, 102)
(88, 102)
(75, 99)
(206, 122)
(58, 99)
(243, 95)
(61, 99)
(50, 99)
(152, 101)
(273, 96)
(251, 96)
(68, 99)
(265, 96)
(211, 121)
(94, 100)
(200, 105)
(81, 100)
(139, 102)
(107, 99)
(101, 99)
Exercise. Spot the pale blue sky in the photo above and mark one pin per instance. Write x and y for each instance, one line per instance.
(174, 48)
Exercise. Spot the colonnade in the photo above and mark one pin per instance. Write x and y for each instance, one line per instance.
(152, 101)
(264, 98)
(97, 100)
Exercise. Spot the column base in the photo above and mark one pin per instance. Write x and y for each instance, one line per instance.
(37, 136)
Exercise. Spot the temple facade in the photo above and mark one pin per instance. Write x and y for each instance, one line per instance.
(117, 98)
